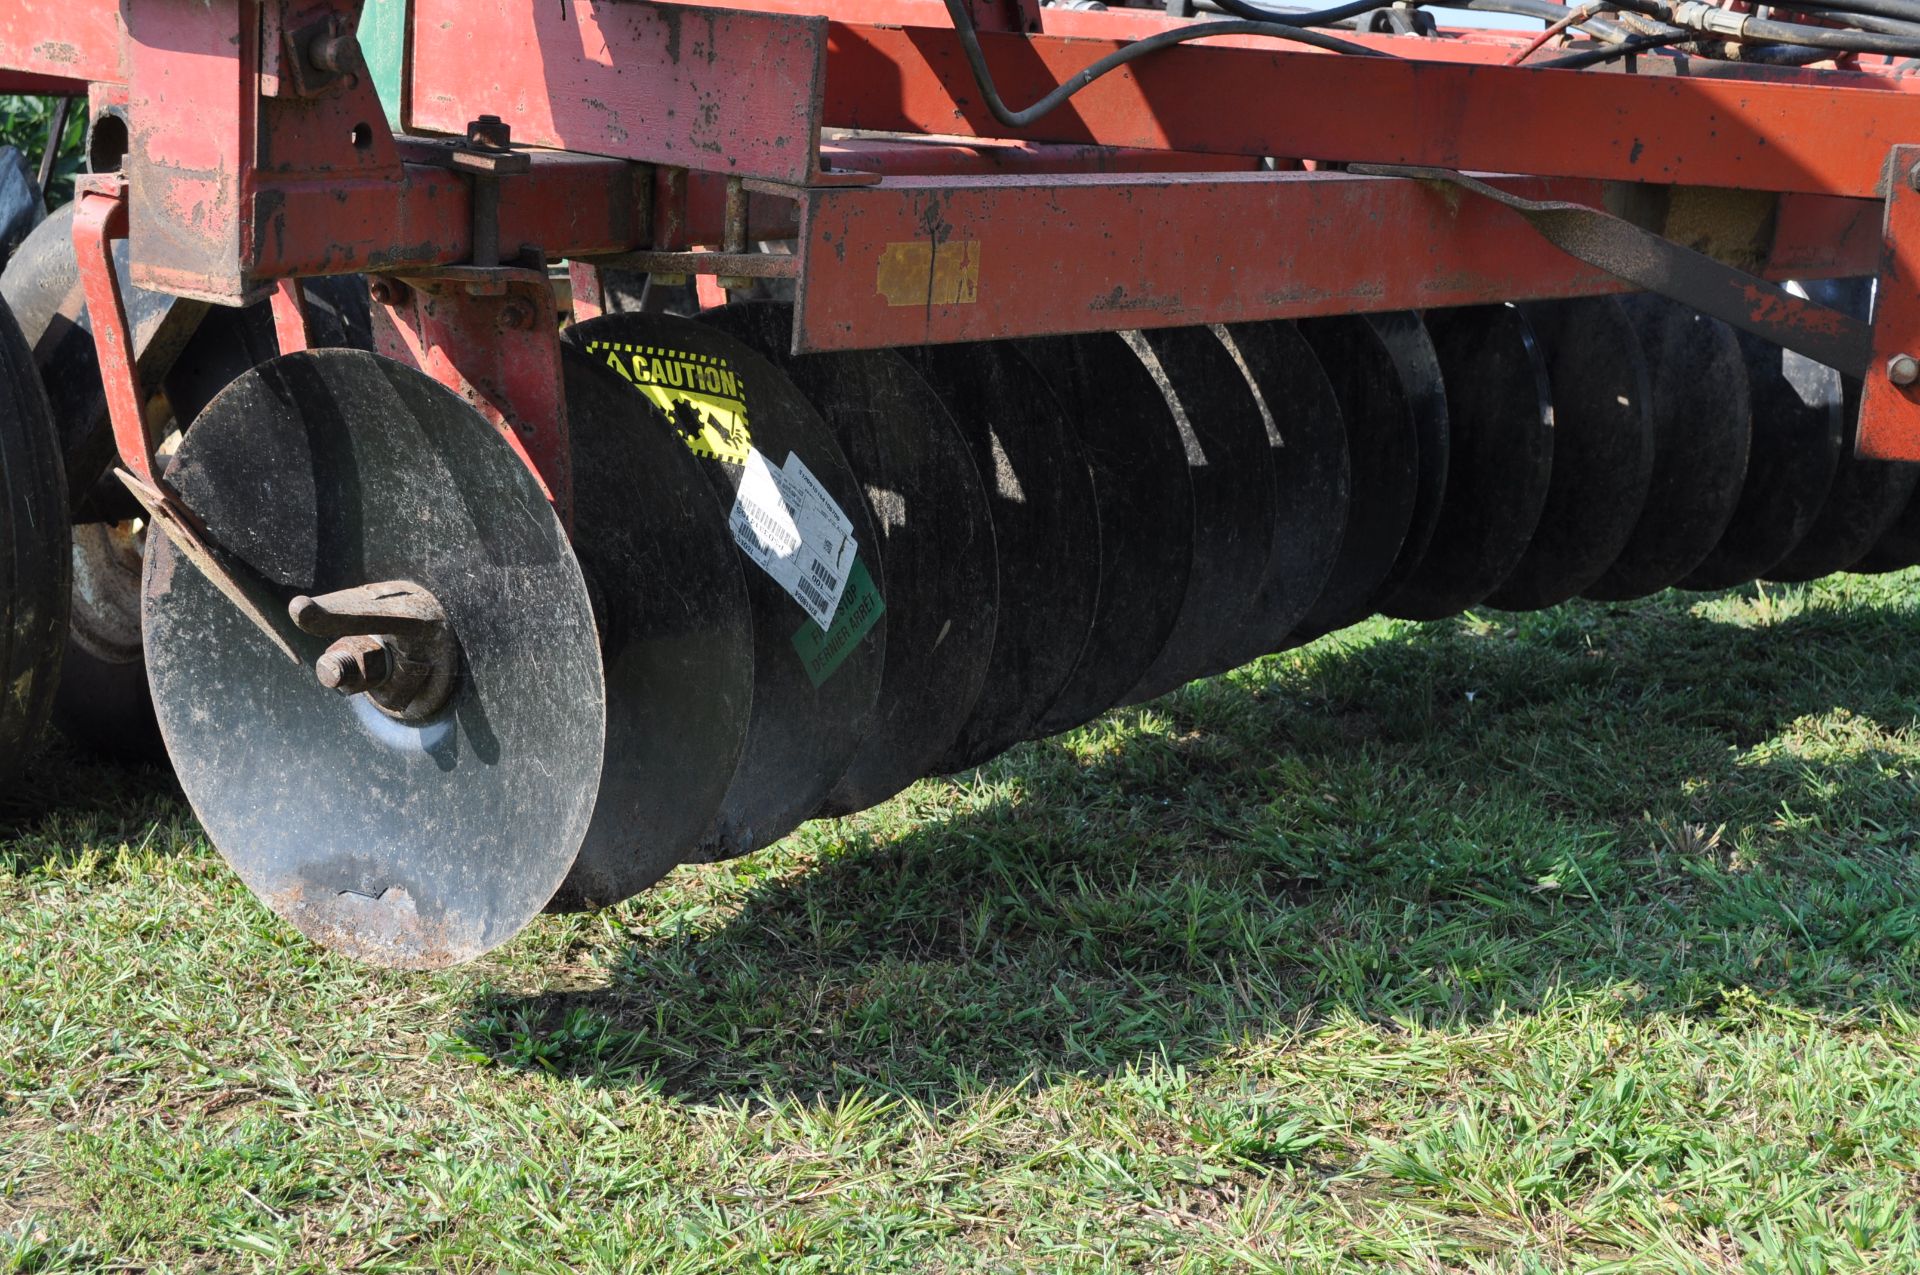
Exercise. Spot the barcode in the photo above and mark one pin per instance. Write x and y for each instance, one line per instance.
(811, 595)
(769, 531)
(823, 577)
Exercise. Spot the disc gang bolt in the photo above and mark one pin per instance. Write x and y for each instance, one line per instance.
(1903, 369)
(354, 665)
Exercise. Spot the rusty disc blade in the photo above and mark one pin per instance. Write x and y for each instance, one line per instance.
(1702, 429)
(676, 640)
(1046, 530)
(1499, 460)
(934, 542)
(1383, 456)
(1797, 411)
(408, 845)
(774, 464)
(1145, 501)
(1230, 471)
(1602, 451)
(1867, 496)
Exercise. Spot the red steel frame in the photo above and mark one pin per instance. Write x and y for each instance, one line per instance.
(1189, 187)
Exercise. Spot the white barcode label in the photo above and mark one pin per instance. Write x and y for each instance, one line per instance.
(785, 521)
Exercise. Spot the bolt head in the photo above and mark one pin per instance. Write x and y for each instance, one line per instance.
(353, 665)
(1903, 370)
(490, 132)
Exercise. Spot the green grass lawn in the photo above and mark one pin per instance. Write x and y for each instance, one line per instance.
(1584, 940)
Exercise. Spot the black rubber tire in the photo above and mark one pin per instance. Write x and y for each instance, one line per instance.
(35, 552)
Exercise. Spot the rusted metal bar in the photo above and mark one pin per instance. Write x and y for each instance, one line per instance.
(964, 259)
(1307, 104)
(490, 334)
(100, 218)
(727, 90)
(1890, 400)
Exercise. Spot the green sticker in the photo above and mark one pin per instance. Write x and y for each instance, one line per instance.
(824, 650)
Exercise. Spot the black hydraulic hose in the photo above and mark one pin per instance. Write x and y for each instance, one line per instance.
(977, 61)
(1547, 11)
(1847, 41)
(1613, 52)
(1899, 10)
(1863, 22)
(1307, 18)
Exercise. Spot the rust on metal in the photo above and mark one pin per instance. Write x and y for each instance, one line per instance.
(731, 91)
(1890, 401)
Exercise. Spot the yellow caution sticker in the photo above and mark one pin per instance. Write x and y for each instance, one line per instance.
(699, 393)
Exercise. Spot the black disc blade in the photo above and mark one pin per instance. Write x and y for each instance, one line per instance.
(1046, 530)
(1383, 456)
(1702, 428)
(1307, 459)
(676, 639)
(1231, 476)
(1602, 451)
(1797, 413)
(1898, 546)
(1418, 367)
(935, 546)
(1867, 496)
(1139, 465)
(1499, 460)
(814, 686)
(407, 845)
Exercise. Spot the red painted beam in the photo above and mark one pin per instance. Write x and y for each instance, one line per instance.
(63, 40)
(915, 260)
(712, 88)
(1307, 104)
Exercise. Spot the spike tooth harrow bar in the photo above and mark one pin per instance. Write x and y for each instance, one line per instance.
(451, 613)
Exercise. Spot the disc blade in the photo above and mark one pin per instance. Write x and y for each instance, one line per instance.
(1602, 451)
(1898, 546)
(1499, 460)
(414, 846)
(1145, 501)
(1231, 476)
(1383, 457)
(1307, 459)
(676, 640)
(1867, 496)
(1797, 412)
(1046, 530)
(814, 685)
(934, 542)
(1702, 428)
(1418, 366)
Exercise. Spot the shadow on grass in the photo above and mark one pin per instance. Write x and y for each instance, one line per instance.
(1657, 804)
(69, 802)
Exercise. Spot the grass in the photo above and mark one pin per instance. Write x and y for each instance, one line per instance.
(1578, 941)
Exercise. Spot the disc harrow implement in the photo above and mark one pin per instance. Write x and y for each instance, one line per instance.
(490, 502)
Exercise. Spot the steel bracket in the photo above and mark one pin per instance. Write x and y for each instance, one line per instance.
(1890, 397)
(492, 335)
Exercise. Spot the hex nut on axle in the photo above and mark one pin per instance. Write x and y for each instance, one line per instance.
(354, 665)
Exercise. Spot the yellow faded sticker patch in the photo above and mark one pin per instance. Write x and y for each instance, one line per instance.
(699, 393)
(922, 273)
